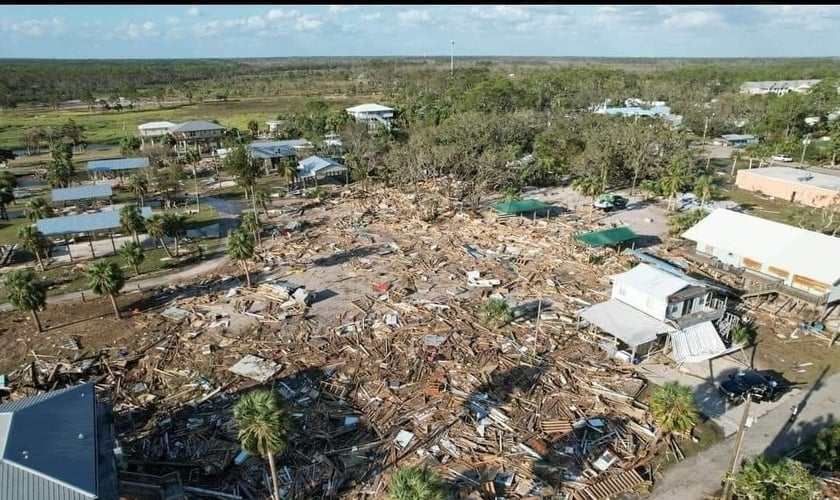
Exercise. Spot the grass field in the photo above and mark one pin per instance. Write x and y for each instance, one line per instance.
(108, 127)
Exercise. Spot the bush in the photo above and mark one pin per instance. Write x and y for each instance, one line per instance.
(742, 333)
(416, 483)
(683, 221)
(497, 311)
(785, 479)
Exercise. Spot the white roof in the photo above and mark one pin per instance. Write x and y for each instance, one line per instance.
(796, 176)
(155, 125)
(624, 322)
(654, 282)
(805, 253)
(368, 108)
(696, 343)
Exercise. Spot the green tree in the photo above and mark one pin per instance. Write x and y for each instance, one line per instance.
(675, 180)
(60, 168)
(26, 294)
(157, 229)
(704, 188)
(264, 427)
(133, 255)
(254, 128)
(764, 479)
(824, 452)
(131, 220)
(287, 171)
(262, 199)
(38, 208)
(34, 242)
(416, 483)
(680, 222)
(139, 186)
(240, 246)
(8, 183)
(674, 408)
(129, 145)
(512, 193)
(588, 185)
(175, 227)
(251, 224)
(105, 277)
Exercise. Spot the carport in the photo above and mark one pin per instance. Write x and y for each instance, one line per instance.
(85, 223)
(632, 327)
(518, 207)
(607, 237)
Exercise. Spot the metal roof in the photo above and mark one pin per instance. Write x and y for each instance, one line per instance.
(277, 149)
(117, 164)
(795, 176)
(612, 236)
(197, 126)
(639, 111)
(798, 251)
(519, 206)
(652, 282)
(315, 165)
(368, 108)
(83, 223)
(47, 457)
(696, 343)
(624, 322)
(156, 125)
(82, 192)
(738, 137)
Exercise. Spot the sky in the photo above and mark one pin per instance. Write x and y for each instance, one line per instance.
(223, 31)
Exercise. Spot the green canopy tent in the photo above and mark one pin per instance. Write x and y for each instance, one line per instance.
(517, 207)
(607, 237)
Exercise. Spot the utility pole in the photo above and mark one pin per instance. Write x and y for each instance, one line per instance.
(195, 179)
(805, 143)
(705, 129)
(452, 58)
(739, 440)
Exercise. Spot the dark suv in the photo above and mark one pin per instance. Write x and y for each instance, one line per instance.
(760, 386)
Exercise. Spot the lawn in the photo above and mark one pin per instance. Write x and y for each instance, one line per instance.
(110, 126)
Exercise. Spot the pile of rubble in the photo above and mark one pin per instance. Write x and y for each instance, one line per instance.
(413, 371)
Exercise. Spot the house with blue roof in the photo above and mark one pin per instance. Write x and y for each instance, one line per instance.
(59, 445)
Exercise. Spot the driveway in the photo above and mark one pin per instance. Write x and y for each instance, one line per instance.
(772, 435)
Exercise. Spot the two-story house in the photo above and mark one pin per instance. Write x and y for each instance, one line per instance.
(372, 114)
(152, 131)
(198, 133)
(647, 304)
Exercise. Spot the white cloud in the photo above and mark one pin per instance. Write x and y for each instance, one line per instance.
(36, 27)
(193, 11)
(173, 21)
(373, 16)
(693, 19)
(338, 9)
(134, 31)
(414, 17)
(282, 14)
(308, 23)
(508, 13)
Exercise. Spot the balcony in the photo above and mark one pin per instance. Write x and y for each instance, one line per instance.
(712, 311)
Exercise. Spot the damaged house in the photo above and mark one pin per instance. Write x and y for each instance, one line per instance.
(648, 305)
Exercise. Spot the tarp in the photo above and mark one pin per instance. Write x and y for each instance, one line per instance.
(607, 237)
(519, 206)
(624, 322)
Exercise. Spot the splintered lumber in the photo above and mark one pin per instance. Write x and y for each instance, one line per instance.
(561, 427)
(610, 487)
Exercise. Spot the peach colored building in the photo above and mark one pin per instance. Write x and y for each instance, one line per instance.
(792, 184)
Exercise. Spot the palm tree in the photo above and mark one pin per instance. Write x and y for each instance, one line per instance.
(262, 199)
(251, 224)
(155, 227)
(240, 246)
(416, 483)
(106, 278)
(8, 183)
(139, 186)
(175, 226)
(38, 208)
(704, 187)
(287, 171)
(193, 157)
(674, 408)
(35, 242)
(131, 219)
(133, 255)
(674, 182)
(254, 128)
(26, 294)
(264, 427)
(587, 186)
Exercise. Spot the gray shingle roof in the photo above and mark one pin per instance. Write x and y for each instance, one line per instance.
(315, 165)
(197, 126)
(117, 164)
(82, 223)
(82, 192)
(276, 149)
(48, 446)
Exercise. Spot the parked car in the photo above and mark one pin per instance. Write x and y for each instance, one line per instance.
(609, 201)
(761, 386)
(782, 158)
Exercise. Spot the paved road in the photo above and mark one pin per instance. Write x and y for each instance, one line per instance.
(716, 151)
(771, 434)
(207, 266)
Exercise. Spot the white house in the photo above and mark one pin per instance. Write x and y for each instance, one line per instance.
(647, 302)
(780, 87)
(792, 258)
(316, 167)
(154, 130)
(372, 113)
(274, 126)
(198, 132)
